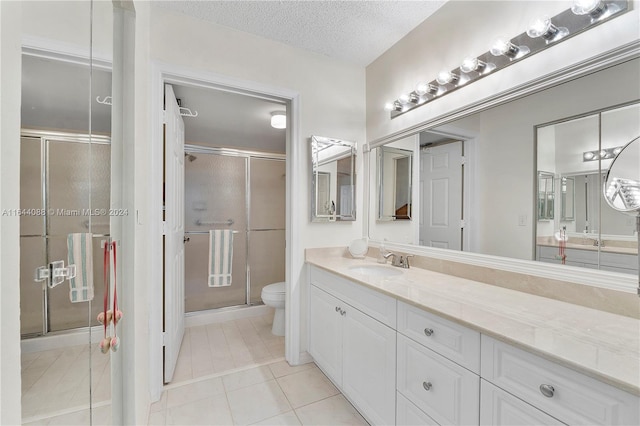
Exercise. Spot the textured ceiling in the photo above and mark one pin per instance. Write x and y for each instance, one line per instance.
(353, 31)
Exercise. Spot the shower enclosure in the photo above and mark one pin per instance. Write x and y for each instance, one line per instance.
(243, 191)
(67, 176)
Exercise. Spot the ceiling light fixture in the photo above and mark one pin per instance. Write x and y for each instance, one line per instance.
(542, 33)
(279, 120)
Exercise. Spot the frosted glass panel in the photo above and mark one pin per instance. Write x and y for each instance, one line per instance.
(31, 186)
(32, 256)
(266, 259)
(198, 295)
(268, 182)
(215, 191)
(63, 314)
(69, 186)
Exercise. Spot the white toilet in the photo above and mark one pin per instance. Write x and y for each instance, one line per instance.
(273, 295)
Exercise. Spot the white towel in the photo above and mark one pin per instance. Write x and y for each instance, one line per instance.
(80, 254)
(220, 257)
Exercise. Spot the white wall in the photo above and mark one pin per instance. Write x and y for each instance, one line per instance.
(332, 104)
(10, 69)
(461, 28)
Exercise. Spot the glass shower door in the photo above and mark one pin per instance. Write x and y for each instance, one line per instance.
(215, 198)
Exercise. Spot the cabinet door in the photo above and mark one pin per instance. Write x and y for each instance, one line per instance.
(498, 407)
(369, 363)
(325, 333)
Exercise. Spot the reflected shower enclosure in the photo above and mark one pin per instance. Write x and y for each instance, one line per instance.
(243, 191)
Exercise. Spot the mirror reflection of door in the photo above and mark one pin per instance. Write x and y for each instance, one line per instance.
(402, 188)
(324, 193)
(441, 195)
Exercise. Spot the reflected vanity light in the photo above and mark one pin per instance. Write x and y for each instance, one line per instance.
(603, 154)
(541, 33)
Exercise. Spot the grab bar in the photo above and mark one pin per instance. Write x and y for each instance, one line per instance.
(227, 222)
(204, 232)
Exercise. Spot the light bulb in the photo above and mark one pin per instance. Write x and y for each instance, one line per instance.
(543, 27)
(279, 120)
(422, 88)
(472, 64)
(388, 107)
(588, 156)
(585, 7)
(603, 153)
(404, 98)
(445, 77)
(617, 150)
(503, 46)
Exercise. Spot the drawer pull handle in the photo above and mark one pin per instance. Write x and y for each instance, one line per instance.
(337, 309)
(428, 331)
(547, 390)
(427, 386)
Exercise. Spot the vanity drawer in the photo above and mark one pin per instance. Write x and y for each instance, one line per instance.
(371, 302)
(445, 391)
(455, 342)
(500, 408)
(569, 396)
(407, 414)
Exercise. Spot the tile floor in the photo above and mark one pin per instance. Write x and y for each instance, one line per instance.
(222, 347)
(230, 373)
(57, 381)
(271, 394)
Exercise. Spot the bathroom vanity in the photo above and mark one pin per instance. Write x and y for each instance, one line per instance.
(420, 347)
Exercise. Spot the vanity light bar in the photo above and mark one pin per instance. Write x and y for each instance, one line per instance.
(601, 154)
(543, 32)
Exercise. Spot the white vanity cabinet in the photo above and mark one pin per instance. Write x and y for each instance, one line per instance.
(356, 351)
(400, 364)
(563, 393)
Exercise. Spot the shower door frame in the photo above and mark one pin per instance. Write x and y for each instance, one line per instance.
(248, 155)
(45, 136)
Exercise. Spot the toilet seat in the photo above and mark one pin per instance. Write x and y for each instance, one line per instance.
(274, 289)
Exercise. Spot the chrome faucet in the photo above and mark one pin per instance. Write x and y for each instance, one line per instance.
(401, 261)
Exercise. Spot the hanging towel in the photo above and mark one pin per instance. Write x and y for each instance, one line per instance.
(80, 254)
(220, 257)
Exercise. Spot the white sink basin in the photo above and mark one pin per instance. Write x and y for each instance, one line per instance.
(376, 270)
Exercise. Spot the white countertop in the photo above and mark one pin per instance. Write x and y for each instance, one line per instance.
(599, 344)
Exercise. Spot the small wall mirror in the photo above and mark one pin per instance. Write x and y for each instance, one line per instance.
(622, 182)
(567, 197)
(394, 183)
(545, 196)
(333, 179)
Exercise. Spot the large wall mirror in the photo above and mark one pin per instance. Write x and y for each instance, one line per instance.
(477, 186)
(333, 179)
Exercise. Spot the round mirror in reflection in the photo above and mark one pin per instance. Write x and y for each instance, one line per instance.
(622, 182)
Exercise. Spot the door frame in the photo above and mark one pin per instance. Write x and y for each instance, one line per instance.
(171, 74)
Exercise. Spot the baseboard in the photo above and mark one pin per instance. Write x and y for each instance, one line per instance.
(62, 339)
(221, 315)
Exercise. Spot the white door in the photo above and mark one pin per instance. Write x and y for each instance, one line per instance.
(325, 333)
(369, 366)
(174, 233)
(441, 196)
